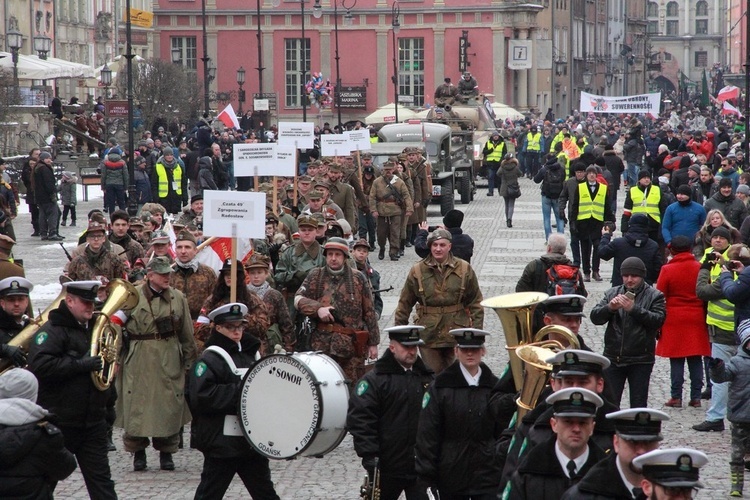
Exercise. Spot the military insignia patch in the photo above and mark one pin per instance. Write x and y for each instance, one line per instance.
(425, 400)
(362, 387)
(200, 368)
(40, 338)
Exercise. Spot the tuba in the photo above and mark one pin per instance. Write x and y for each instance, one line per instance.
(25, 336)
(105, 338)
(516, 311)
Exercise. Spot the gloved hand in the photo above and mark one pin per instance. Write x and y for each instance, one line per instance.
(274, 248)
(369, 463)
(89, 363)
(563, 218)
(13, 353)
(714, 363)
(707, 264)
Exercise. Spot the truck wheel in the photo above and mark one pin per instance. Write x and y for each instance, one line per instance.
(447, 202)
(464, 188)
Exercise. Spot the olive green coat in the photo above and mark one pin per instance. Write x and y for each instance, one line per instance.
(383, 201)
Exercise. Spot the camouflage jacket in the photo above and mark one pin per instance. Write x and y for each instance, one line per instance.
(133, 249)
(89, 265)
(294, 264)
(195, 285)
(256, 317)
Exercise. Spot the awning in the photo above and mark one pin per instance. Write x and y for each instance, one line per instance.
(387, 114)
(119, 63)
(33, 68)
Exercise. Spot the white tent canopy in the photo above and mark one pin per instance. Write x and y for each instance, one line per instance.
(34, 68)
(387, 114)
(503, 111)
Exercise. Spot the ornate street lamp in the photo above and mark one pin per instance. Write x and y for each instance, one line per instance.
(609, 78)
(14, 39)
(42, 45)
(176, 55)
(587, 76)
(241, 82)
(395, 28)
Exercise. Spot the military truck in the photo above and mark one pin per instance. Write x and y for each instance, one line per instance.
(452, 168)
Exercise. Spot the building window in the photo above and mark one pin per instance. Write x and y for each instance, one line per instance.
(189, 47)
(673, 9)
(411, 69)
(653, 27)
(701, 8)
(293, 68)
(701, 59)
(653, 9)
(673, 27)
(701, 26)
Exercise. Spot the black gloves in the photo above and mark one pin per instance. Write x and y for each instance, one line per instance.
(13, 353)
(563, 218)
(88, 364)
(370, 463)
(274, 248)
(715, 363)
(707, 264)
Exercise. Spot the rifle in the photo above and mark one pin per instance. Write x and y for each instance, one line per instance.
(383, 290)
(399, 199)
(67, 254)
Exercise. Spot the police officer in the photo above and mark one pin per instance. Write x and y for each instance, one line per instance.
(14, 300)
(671, 473)
(384, 413)
(457, 426)
(615, 478)
(554, 465)
(59, 357)
(213, 395)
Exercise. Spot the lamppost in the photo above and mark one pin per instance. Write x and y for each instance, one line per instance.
(303, 69)
(106, 79)
(348, 19)
(586, 76)
(241, 82)
(14, 39)
(205, 59)
(395, 28)
(129, 56)
(609, 77)
(176, 55)
(42, 45)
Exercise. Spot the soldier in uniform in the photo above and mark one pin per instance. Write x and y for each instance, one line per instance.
(558, 463)
(638, 432)
(8, 267)
(195, 210)
(384, 413)
(14, 302)
(342, 194)
(670, 473)
(388, 197)
(446, 293)
(446, 92)
(59, 357)
(360, 251)
(339, 300)
(151, 381)
(304, 187)
(96, 260)
(298, 260)
(193, 279)
(120, 235)
(417, 167)
(366, 220)
(329, 207)
(159, 245)
(136, 231)
(213, 394)
(281, 330)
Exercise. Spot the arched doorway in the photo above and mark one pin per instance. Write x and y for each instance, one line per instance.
(663, 84)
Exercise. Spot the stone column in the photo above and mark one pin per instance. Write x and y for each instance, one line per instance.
(522, 99)
(499, 69)
(383, 62)
(439, 70)
(533, 72)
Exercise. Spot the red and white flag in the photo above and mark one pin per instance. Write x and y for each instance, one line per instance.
(728, 92)
(214, 254)
(228, 117)
(728, 109)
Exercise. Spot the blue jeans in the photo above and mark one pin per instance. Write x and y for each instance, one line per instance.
(229, 165)
(717, 409)
(637, 376)
(491, 173)
(575, 248)
(631, 173)
(550, 205)
(677, 376)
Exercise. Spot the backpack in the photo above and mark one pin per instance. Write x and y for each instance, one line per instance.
(563, 279)
(553, 182)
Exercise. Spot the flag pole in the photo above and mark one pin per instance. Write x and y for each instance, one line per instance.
(233, 256)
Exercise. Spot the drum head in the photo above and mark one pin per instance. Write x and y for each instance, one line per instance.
(280, 406)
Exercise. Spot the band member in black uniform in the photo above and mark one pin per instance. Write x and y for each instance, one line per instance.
(14, 301)
(638, 432)
(59, 357)
(213, 396)
(671, 473)
(384, 413)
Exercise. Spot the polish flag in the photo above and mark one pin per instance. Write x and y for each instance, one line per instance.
(214, 254)
(228, 117)
(728, 92)
(728, 109)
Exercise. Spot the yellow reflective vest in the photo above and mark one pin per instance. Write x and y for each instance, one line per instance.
(163, 181)
(588, 208)
(496, 151)
(648, 205)
(533, 141)
(719, 312)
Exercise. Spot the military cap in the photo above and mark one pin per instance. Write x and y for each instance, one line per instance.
(407, 335)
(438, 234)
(258, 261)
(15, 285)
(638, 424)
(369, 170)
(289, 187)
(96, 227)
(136, 222)
(305, 178)
(86, 290)
(196, 197)
(320, 218)
(145, 217)
(365, 156)
(227, 265)
(186, 236)
(159, 265)
(567, 304)
(675, 467)
(6, 243)
(361, 243)
(234, 311)
(390, 164)
(265, 187)
(315, 195)
(159, 237)
(271, 218)
(308, 220)
(411, 150)
(469, 338)
(322, 184)
(334, 167)
(575, 402)
(339, 244)
(572, 362)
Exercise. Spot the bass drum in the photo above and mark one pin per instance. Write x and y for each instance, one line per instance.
(294, 405)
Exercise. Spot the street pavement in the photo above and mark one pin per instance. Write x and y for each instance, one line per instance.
(500, 255)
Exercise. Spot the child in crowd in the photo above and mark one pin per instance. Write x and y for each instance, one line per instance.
(68, 197)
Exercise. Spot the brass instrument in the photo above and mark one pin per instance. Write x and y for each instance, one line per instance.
(536, 373)
(371, 490)
(105, 338)
(516, 311)
(24, 337)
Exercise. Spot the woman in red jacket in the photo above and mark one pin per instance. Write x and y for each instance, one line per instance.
(683, 336)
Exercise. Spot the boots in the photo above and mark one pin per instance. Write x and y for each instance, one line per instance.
(509, 223)
(165, 461)
(139, 460)
(110, 444)
(401, 250)
(73, 223)
(381, 254)
(737, 473)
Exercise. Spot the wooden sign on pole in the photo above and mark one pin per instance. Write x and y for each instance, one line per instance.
(275, 198)
(233, 270)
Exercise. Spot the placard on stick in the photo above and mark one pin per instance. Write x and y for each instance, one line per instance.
(335, 145)
(263, 159)
(300, 135)
(235, 214)
(359, 140)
